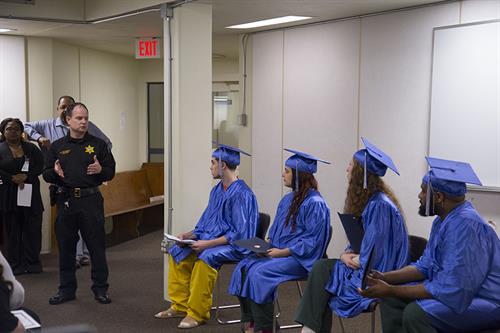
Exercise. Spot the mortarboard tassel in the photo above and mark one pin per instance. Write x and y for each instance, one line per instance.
(220, 162)
(428, 197)
(365, 180)
(297, 176)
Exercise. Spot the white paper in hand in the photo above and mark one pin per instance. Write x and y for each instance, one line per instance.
(24, 195)
(177, 239)
(25, 319)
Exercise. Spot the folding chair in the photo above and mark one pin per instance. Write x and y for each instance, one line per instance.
(299, 288)
(264, 221)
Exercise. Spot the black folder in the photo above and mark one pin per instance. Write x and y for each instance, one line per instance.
(353, 229)
(255, 244)
(368, 267)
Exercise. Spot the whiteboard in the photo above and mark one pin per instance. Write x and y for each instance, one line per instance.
(465, 97)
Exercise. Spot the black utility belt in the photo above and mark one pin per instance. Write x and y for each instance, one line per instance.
(79, 192)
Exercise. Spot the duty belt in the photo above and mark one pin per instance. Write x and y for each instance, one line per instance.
(78, 192)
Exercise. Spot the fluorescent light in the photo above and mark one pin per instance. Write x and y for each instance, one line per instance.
(5, 30)
(263, 23)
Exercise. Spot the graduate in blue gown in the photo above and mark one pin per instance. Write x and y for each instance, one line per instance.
(231, 214)
(455, 285)
(298, 237)
(333, 284)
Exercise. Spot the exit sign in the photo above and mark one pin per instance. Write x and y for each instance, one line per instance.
(147, 48)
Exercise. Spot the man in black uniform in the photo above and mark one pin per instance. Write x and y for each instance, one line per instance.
(78, 163)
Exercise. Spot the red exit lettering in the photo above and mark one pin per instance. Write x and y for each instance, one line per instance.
(148, 48)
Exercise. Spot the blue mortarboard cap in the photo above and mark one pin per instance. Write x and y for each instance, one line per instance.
(450, 176)
(375, 159)
(228, 154)
(303, 162)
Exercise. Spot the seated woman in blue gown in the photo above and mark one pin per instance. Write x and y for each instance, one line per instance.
(455, 285)
(335, 282)
(298, 237)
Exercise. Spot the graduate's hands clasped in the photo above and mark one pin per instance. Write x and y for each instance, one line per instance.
(278, 253)
(348, 258)
(201, 245)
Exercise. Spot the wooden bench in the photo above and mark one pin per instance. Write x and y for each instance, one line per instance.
(127, 202)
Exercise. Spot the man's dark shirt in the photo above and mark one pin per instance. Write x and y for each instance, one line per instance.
(75, 155)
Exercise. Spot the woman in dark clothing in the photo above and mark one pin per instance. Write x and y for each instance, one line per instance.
(20, 164)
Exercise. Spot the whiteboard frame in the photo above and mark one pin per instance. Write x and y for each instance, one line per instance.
(474, 188)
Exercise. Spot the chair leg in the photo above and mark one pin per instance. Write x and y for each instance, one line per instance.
(276, 305)
(217, 307)
(285, 327)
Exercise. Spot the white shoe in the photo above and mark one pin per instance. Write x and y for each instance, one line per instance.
(170, 313)
(189, 322)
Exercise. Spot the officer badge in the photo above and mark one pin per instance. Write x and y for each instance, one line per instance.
(89, 149)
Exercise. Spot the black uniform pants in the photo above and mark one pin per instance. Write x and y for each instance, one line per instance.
(87, 215)
(24, 232)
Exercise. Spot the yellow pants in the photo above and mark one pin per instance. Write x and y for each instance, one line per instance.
(190, 286)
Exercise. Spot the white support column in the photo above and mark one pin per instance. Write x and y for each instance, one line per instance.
(190, 95)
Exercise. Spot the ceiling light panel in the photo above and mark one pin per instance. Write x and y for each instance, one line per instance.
(273, 21)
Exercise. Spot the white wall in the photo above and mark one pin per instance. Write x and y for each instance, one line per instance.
(108, 84)
(12, 78)
(394, 95)
(320, 88)
(66, 72)
(225, 70)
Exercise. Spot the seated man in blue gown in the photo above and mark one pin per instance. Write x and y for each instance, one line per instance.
(231, 214)
(455, 285)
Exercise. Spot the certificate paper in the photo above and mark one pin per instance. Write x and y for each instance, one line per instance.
(185, 241)
(25, 319)
(24, 195)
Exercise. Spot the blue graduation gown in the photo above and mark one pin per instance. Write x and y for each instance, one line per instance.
(307, 244)
(233, 214)
(461, 265)
(385, 229)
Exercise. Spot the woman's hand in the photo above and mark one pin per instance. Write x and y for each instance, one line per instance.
(278, 253)
(348, 259)
(20, 178)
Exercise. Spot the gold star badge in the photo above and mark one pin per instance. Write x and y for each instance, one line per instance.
(89, 149)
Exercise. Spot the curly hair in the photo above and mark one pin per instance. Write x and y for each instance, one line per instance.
(4, 123)
(306, 183)
(357, 197)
